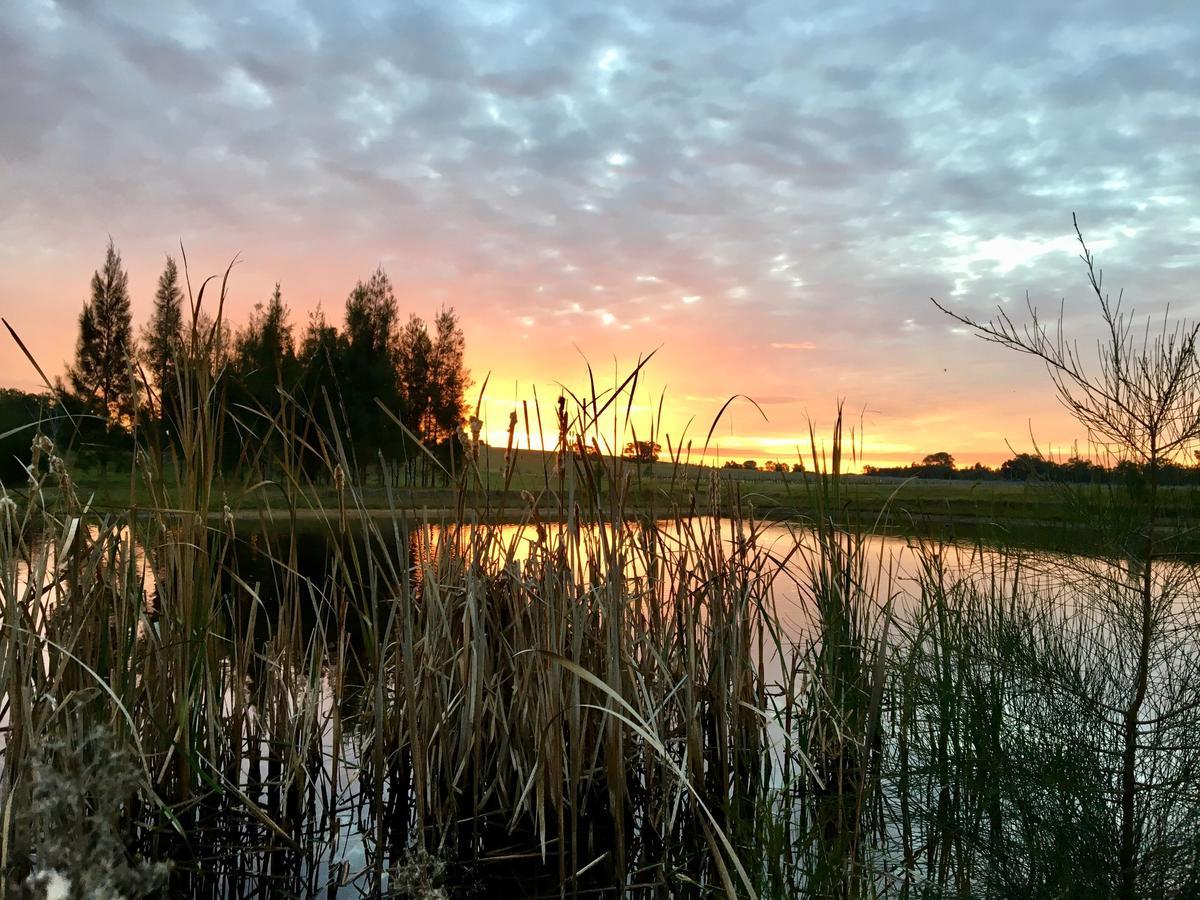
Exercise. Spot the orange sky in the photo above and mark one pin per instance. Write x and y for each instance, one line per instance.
(770, 192)
(908, 399)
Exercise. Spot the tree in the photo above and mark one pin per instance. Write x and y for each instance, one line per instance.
(266, 343)
(264, 362)
(750, 464)
(449, 377)
(318, 361)
(372, 316)
(162, 340)
(1142, 401)
(642, 452)
(102, 376)
(369, 366)
(417, 366)
(941, 459)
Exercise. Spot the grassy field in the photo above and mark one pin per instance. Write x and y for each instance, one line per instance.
(1053, 516)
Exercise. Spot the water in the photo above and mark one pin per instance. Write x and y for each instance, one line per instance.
(345, 827)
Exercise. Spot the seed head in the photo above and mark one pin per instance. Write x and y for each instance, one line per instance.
(8, 509)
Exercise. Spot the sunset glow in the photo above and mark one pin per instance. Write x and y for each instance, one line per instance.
(768, 194)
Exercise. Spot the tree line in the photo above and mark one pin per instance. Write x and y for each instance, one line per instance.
(1037, 467)
(281, 386)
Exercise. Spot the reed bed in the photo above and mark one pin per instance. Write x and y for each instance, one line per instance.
(324, 700)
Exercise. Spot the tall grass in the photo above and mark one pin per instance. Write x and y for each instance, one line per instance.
(294, 697)
(583, 693)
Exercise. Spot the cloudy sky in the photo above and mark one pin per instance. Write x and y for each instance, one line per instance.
(770, 192)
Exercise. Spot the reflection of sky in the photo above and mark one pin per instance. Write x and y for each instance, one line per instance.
(787, 556)
(769, 191)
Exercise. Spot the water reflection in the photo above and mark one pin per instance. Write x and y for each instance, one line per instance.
(334, 811)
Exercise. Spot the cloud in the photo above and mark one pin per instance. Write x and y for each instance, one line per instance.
(886, 153)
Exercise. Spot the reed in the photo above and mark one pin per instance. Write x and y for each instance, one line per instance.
(296, 693)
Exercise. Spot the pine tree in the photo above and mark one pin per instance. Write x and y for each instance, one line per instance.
(264, 361)
(416, 377)
(102, 375)
(372, 316)
(449, 377)
(266, 345)
(319, 361)
(369, 370)
(162, 339)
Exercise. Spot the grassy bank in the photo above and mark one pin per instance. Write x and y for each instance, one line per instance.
(1031, 515)
(611, 705)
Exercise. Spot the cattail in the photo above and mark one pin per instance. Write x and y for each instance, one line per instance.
(476, 427)
(41, 445)
(143, 464)
(559, 461)
(512, 429)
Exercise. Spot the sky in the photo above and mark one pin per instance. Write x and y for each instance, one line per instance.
(768, 193)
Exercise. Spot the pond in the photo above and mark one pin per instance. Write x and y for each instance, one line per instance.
(317, 789)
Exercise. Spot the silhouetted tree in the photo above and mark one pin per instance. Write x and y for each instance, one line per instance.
(369, 369)
(642, 452)
(449, 377)
(416, 384)
(941, 458)
(266, 344)
(102, 376)
(162, 340)
(318, 393)
(1142, 400)
(264, 361)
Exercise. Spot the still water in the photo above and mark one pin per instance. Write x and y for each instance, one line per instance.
(336, 822)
